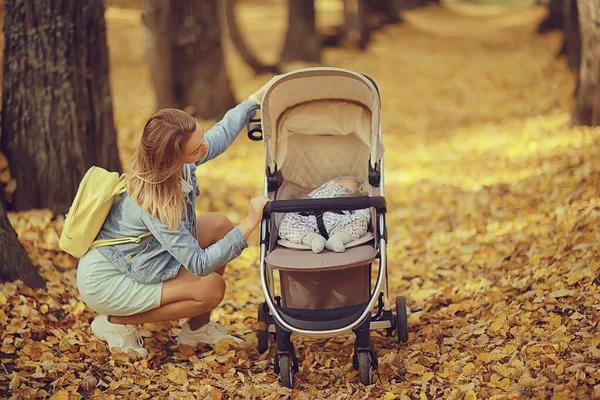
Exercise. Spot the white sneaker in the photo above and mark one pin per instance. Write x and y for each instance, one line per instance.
(210, 333)
(124, 337)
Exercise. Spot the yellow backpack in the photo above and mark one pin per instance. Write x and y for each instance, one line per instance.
(97, 192)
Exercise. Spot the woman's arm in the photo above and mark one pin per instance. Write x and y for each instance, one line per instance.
(222, 135)
(184, 248)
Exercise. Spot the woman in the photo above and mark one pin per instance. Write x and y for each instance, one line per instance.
(131, 284)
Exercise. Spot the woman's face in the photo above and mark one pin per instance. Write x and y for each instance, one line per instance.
(196, 147)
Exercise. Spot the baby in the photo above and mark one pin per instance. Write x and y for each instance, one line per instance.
(342, 227)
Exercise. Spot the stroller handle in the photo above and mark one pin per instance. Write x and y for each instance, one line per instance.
(322, 205)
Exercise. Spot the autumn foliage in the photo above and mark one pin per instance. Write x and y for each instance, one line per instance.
(494, 208)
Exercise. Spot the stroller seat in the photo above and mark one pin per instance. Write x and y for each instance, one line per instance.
(286, 259)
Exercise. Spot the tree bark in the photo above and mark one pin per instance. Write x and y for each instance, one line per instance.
(14, 262)
(186, 56)
(301, 42)
(57, 116)
(587, 109)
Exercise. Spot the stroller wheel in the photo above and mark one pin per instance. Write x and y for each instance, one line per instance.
(263, 334)
(365, 369)
(286, 374)
(263, 341)
(401, 319)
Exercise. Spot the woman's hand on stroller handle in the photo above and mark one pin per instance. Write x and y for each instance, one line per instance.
(257, 96)
(255, 212)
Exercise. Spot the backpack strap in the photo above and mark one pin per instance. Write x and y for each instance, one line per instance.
(121, 187)
(110, 242)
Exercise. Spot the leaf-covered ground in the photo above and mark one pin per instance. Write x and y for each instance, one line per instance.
(494, 209)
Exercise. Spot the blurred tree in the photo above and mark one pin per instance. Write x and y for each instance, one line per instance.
(587, 109)
(572, 40)
(57, 115)
(14, 262)
(301, 40)
(238, 41)
(186, 56)
(563, 16)
(554, 19)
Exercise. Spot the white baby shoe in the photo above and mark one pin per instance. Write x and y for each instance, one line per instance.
(124, 337)
(210, 333)
(315, 241)
(337, 240)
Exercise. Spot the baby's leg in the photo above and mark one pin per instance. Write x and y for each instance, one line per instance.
(294, 226)
(345, 232)
(302, 230)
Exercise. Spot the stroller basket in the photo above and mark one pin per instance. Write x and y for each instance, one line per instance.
(332, 318)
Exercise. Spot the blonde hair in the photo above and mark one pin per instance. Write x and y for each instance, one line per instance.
(157, 166)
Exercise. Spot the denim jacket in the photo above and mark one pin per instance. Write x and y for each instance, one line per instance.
(158, 257)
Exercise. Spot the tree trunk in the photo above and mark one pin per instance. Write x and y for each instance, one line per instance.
(14, 262)
(186, 56)
(555, 18)
(355, 29)
(57, 116)
(385, 11)
(587, 109)
(301, 42)
(572, 39)
(238, 41)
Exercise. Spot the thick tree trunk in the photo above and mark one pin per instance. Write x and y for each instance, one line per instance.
(301, 42)
(587, 109)
(14, 262)
(57, 116)
(186, 56)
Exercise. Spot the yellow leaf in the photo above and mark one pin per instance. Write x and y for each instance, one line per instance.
(60, 395)
(175, 374)
(79, 308)
(488, 357)
(2, 299)
(443, 372)
(574, 277)
(389, 396)
(470, 395)
(469, 368)
(496, 326)
(427, 376)
(416, 368)
(14, 382)
(223, 346)
(504, 370)
(224, 358)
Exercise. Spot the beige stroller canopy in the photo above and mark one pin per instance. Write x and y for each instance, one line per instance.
(312, 102)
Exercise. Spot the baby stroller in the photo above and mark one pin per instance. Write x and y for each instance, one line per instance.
(318, 124)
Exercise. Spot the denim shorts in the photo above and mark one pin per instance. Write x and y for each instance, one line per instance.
(108, 291)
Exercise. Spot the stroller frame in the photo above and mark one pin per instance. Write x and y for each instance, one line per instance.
(358, 319)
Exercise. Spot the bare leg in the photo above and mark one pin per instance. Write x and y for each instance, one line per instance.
(189, 295)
